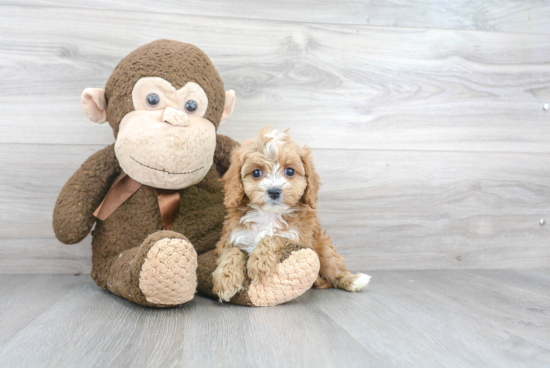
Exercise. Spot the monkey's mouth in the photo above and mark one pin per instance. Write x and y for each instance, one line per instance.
(166, 171)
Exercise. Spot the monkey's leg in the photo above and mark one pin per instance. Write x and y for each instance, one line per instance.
(296, 271)
(161, 272)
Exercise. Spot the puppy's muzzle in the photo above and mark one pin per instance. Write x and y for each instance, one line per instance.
(274, 193)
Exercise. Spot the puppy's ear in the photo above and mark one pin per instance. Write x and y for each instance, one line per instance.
(232, 182)
(313, 182)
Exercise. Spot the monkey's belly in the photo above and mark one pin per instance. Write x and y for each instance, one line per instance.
(200, 219)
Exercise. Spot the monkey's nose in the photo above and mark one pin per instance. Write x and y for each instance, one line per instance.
(175, 117)
(274, 193)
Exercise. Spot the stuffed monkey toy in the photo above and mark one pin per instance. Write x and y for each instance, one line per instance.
(155, 195)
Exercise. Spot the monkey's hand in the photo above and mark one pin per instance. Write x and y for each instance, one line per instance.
(73, 214)
(222, 155)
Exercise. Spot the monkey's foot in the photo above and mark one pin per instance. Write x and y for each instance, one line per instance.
(295, 274)
(168, 274)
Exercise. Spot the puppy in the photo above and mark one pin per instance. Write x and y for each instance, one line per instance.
(271, 195)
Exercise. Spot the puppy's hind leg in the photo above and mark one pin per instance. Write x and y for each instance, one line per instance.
(333, 270)
(229, 276)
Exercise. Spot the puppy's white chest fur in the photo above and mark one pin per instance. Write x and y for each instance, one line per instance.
(258, 224)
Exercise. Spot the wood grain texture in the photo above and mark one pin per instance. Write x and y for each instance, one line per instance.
(335, 86)
(486, 15)
(432, 143)
(44, 255)
(403, 319)
(26, 297)
(451, 318)
(384, 209)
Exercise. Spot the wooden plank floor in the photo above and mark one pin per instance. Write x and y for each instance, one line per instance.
(489, 318)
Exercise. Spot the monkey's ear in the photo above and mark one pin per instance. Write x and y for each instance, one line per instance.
(230, 99)
(94, 105)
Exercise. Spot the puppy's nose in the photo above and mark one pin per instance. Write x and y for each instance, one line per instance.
(175, 117)
(274, 193)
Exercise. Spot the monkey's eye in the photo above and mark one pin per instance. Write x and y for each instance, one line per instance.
(153, 99)
(256, 173)
(191, 106)
(289, 172)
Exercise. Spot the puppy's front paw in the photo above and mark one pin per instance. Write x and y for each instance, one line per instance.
(227, 282)
(225, 295)
(261, 265)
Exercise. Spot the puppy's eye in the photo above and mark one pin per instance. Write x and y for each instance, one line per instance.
(256, 174)
(191, 106)
(289, 172)
(153, 99)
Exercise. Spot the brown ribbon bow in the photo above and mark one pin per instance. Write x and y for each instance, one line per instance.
(169, 201)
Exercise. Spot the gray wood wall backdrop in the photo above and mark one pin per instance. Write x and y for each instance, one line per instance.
(426, 118)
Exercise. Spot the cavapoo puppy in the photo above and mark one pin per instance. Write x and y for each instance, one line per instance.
(271, 195)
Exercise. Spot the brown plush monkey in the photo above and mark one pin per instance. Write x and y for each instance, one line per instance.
(155, 196)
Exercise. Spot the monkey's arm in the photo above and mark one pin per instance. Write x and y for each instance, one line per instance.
(73, 214)
(222, 155)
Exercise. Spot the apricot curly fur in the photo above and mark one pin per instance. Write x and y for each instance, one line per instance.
(263, 261)
(229, 276)
(298, 215)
